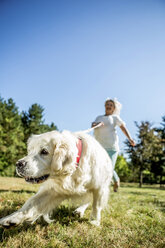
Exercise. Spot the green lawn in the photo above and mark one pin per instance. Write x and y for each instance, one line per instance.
(134, 218)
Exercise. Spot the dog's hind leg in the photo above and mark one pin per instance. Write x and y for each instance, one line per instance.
(80, 210)
(47, 218)
(100, 197)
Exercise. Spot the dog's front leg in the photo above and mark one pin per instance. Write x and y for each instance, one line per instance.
(36, 206)
(12, 219)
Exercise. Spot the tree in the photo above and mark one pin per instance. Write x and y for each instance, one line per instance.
(33, 122)
(15, 128)
(11, 137)
(158, 158)
(122, 168)
(141, 154)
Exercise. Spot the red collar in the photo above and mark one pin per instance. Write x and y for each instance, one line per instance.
(79, 147)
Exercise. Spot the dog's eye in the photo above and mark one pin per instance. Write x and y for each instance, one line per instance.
(44, 152)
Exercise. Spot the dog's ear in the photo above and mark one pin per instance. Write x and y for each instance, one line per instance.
(65, 153)
(59, 157)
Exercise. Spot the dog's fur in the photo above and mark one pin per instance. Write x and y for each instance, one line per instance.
(54, 154)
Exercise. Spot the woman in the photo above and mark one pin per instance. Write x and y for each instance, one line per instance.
(106, 134)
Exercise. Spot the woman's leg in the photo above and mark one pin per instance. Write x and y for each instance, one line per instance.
(113, 155)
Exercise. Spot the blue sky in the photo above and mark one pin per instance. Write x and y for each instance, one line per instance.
(70, 55)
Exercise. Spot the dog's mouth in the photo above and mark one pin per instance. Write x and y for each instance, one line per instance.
(37, 179)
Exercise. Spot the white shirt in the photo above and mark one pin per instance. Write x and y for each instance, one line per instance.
(107, 135)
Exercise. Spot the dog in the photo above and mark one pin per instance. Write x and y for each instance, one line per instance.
(52, 161)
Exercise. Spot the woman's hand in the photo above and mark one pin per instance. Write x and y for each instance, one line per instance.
(101, 124)
(94, 124)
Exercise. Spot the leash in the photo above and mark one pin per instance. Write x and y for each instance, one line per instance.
(92, 128)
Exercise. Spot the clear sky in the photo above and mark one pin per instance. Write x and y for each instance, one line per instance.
(70, 55)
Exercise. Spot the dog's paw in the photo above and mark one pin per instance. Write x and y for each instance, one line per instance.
(77, 214)
(8, 222)
(12, 220)
(47, 218)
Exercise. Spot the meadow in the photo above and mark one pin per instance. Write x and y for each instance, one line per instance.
(134, 218)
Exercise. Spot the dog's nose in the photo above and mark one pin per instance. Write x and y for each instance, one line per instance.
(21, 163)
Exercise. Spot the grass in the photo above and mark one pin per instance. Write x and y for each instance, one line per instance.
(135, 218)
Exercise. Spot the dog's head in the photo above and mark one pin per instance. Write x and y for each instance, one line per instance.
(49, 154)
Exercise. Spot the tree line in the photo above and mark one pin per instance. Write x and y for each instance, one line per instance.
(145, 162)
(15, 128)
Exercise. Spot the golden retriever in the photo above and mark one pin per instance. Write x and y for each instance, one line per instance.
(51, 160)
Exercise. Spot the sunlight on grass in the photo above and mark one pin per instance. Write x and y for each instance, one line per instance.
(134, 218)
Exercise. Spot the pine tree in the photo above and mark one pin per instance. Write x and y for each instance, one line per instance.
(15, 129)
(158, 159)
(141, 155)
(33, 122)
(12, 146)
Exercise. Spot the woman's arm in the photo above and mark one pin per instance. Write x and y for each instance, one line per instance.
(125, 131)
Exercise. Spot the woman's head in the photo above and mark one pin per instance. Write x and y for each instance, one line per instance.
(109, 107)
(112, 106)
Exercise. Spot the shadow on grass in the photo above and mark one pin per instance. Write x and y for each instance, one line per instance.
(6, 233)
(139, 193)
(152, 187)
(63, 215)
(145, 186)
(17, 191)
(160, 204)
